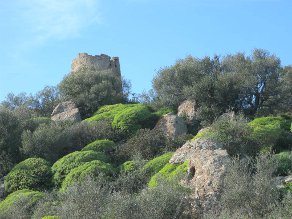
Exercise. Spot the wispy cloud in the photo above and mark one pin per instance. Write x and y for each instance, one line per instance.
(58, 19)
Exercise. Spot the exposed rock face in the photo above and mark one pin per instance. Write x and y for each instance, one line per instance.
(101, 63)
(188, 110)
(207, 166)
(282, 181)
(1, 188)
(172, 125)
(66, 111)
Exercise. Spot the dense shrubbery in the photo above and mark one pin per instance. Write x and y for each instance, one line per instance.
(19, 204)
(67, 163)
(105, 146)
(89, 169)
(126, 117)
(32, 173)
(273, 132)
(284, 163)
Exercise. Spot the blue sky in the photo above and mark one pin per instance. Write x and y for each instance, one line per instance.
(39, 38)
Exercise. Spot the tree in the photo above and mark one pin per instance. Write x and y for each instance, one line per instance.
(91, 89)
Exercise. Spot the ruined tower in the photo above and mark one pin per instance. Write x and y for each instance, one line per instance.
(103, 64)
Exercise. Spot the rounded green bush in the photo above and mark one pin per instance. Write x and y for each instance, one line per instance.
(32, 173)
(273, 132)
(89, 169)
(284, 163)
(155, 165)
(203, 134)
(30, 196)
(51, 217)
(128, 166)
(100, 146)
(63, 166)
(169, 171)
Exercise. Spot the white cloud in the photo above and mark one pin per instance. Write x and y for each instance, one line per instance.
(58, 19)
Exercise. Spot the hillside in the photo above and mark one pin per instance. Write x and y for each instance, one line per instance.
(213, 139)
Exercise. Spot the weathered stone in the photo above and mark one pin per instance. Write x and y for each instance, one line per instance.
(66, 111)
(2, 188)
(100, 63)
(282, 181)
(188, 110)
(171, 125)
(208, 161)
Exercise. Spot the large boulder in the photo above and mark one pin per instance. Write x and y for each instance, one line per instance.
(66, 111)
(171, 125)
(207, 166)
(187, 109)
(283, 181)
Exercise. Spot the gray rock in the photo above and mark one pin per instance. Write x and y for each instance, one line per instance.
(171, 125)
(187, 110)
(282, 181)
(66, 111)
(207, 166)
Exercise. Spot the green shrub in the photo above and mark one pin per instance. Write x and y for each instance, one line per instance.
(32, 123)
(169, 171)
(284, 163)
(126, 117)
(104, 146)
(202, 134)
(162, 111)
(64, 165)
(89, 169)
(128, 166)
(20, 201)
(32, 173)
(273, 132)
(153, 166)
(51, 217)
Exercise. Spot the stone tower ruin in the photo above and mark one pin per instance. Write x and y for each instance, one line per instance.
(103, 64)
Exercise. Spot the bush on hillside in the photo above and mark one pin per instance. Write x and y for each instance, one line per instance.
(32, 173)
(284, 163)
(156, 164)
(63, 166)
(272, 132)
(105, 146)
(169, 172)
(145, 143)
(128, 166)
(235, 135)
(90, 169)
(19, 204)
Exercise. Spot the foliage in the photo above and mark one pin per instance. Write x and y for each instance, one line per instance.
(91, 89)
(284, 163)
(10, 136)
(104, 146)
(169, 172)
(19, 204)
(153, 166)
(203, 134)
(234, 82)
(250, 188)
(89, 169)
(126, 117)
(67, 163)
(273, 132)
(145, 143)
(162, 111)
(51, 217)
(128, 166)
(32, 173)
(235, 135)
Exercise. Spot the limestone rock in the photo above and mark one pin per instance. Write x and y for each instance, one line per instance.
(282, 181)
(66, 111)
(171, 125)
(188, 110)
(2, 188)
(208, 161)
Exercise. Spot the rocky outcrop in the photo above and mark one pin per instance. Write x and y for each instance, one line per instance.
(282, 181)
(172, 125)
(187, 110)
(2, 188)
(207, 166)
(66, 111)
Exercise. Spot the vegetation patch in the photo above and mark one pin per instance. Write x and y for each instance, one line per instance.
(32, 173)
(284, 163)
(64, 165)
(31, 198)
(89, 169)
(100, 146)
